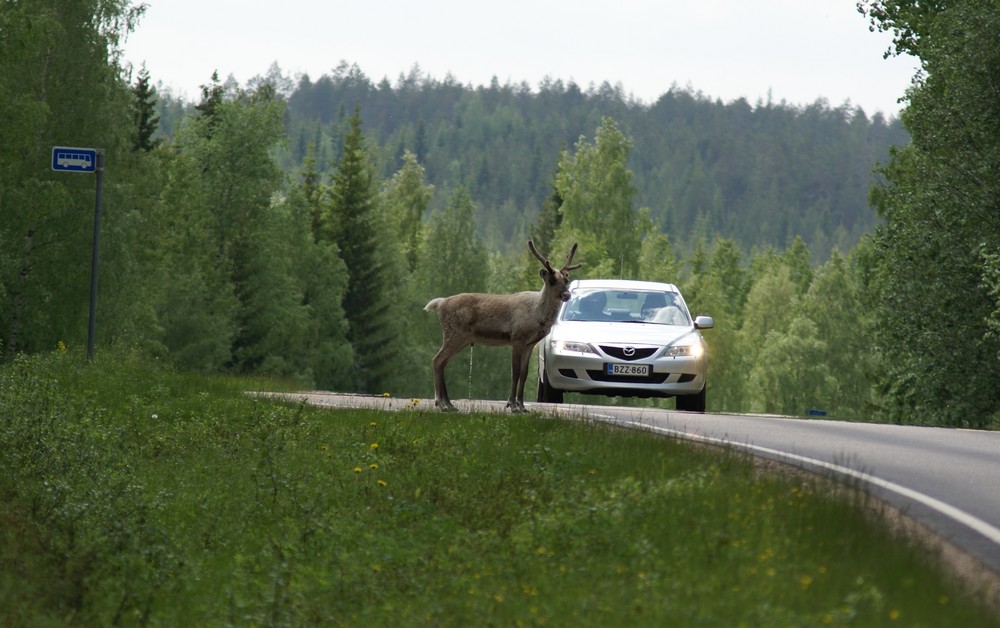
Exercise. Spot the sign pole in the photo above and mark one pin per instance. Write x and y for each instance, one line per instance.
(99, 169)
(77, 159)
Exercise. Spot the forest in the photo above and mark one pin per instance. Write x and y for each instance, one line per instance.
(760, 175)
(295, 227)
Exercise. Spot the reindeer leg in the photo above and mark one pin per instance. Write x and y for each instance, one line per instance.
(515, 378)
(445, 353)
(525, 359)
(515, 374)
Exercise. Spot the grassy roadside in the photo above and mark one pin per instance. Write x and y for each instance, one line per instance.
(134, 495)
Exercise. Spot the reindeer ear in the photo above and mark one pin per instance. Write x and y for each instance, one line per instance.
(543, 273)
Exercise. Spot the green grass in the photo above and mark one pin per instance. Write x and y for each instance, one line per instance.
(134, 495)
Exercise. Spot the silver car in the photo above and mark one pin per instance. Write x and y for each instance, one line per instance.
(625, 338)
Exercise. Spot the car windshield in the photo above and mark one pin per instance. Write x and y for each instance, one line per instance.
(630, 306)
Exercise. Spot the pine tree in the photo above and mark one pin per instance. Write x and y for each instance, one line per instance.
(353, 225)
(549, 220)
(211, 98)
(147, 119)
(313, 192)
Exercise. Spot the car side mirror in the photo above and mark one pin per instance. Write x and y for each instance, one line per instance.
(703, 322)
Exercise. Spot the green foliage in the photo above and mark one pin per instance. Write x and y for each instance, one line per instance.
(194, 302)
(767, 317)
(658, 259)
(454, 258)
(135, 495)
(934, 256)
(57, 88)
(549, 221)
(757, 173)
(355, 225)
(145, 112)
(718, 287)
(239, 180)
(324, 355)
(784, 345)
(595, 185)
(224, 251)
(406, 198)
(790, 370)
(212, 95)
(836, 304)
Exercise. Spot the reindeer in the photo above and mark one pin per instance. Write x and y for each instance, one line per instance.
(519, 320)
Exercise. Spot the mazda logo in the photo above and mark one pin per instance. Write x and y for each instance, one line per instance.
(628, 352)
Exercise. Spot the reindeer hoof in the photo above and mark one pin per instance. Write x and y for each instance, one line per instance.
(445, 406)
(516, 408)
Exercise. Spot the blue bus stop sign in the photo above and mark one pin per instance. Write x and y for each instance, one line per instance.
(69, 159)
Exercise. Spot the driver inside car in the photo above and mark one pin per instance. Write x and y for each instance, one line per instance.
(592, 307)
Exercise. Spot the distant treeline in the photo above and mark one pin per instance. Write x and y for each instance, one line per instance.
(758, 174)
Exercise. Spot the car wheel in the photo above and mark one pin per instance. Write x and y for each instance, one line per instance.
(546, 393)
(692, 403)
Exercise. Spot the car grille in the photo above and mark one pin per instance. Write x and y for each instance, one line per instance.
(619, 352)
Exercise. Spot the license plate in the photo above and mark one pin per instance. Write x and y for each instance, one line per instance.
(639, 370)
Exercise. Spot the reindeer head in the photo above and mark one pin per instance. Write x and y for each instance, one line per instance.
(555, 280)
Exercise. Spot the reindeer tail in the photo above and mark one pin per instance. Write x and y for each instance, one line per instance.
(434, 304)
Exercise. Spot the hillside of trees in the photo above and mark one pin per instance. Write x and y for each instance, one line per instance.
(759, 174)
(297, 230)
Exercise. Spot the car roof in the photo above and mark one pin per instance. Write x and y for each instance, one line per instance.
(622, 284)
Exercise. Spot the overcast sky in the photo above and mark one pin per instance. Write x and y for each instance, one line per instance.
(795, 50)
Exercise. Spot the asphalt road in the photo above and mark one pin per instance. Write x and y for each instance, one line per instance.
(948, 480)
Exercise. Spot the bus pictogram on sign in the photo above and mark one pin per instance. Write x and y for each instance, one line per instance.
(70, 159)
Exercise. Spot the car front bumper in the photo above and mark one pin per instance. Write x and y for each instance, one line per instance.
(586, 373)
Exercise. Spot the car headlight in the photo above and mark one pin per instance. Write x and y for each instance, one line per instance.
(693, 349)
(571, 346)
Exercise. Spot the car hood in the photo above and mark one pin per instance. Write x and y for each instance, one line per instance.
(620, 333)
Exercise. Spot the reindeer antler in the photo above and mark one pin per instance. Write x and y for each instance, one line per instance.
(569, 258)
(566, 267)
(534, 251)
